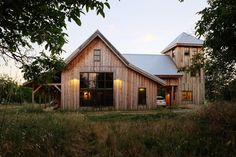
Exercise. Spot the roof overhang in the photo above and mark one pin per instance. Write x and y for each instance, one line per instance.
(180, 44)
(169, 76)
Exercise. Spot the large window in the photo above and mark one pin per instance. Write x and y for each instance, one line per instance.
(96, 89)
(142, 96)
(187, 95)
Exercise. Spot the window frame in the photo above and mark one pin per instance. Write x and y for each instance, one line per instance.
(92, 98)
(97, 55)
(140, 100)
(188, 94)
(186, 51)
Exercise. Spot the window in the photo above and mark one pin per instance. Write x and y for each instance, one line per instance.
(187, 95)
(194, 50)
(141, 96)
(186, 51)
(96, 89)
(97, 55)
(173, 53)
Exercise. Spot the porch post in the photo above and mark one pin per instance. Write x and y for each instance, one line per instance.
(32, 95)
(172, 95)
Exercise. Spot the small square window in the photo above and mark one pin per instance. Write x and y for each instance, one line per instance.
(187, 51)
(97, 55)
(187, 95)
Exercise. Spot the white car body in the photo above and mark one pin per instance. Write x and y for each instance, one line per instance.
(160, 101)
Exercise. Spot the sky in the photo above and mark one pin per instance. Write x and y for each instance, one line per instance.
(132, 26)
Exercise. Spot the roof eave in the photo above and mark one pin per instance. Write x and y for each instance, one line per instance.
(169, 76)
(181, 44)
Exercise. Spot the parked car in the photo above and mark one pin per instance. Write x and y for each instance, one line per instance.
(161, 101)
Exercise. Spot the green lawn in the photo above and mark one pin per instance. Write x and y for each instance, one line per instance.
(206, 131)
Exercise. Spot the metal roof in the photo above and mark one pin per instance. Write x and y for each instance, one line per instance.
(153, 64)
(184, 39)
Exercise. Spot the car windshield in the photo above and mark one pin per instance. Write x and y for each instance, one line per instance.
(160, 98)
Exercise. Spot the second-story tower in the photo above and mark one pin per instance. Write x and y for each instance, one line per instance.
(191, 89)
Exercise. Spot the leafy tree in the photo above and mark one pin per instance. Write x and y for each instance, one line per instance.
(218, 26)
(40, 21)
(44, 69)
(11, 92)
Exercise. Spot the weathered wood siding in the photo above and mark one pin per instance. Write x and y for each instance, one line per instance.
(187, 82)
(126, 81)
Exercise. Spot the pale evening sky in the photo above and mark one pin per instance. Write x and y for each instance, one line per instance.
(132, 26)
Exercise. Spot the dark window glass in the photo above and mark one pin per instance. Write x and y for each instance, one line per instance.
(109, 84)
(100, 76)
(96, 89)
(101, 84)
(83, 80)
(142, 96)
(109, 76)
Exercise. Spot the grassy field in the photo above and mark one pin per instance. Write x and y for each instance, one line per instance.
(166, 132)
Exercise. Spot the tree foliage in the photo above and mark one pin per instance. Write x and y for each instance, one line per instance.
(11, 92)
(44, 69)
(218, 26)
(40, 21)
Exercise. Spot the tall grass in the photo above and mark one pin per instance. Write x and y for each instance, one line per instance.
(209, 131)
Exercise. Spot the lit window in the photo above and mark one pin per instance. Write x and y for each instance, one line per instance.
(187, 95)
(97, 55)
(142, 96)
(96, 89)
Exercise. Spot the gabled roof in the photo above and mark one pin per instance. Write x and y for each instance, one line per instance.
(184, 39)
(161, 65)
(88, 41)
(116, 52)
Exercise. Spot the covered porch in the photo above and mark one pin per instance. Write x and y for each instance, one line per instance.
(48, 94)
(169, 91)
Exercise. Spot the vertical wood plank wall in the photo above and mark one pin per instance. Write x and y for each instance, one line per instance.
(126, 81)
(187, 82)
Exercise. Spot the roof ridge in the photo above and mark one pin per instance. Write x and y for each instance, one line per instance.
(142, 54)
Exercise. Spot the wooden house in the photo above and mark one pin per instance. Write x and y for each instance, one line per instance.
(181, 87)
(97, 75)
